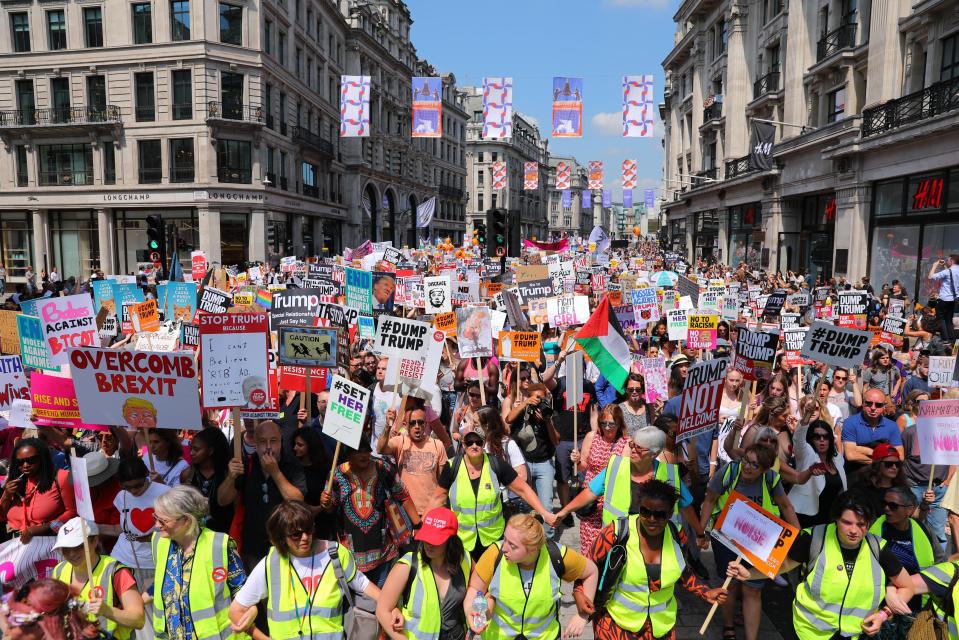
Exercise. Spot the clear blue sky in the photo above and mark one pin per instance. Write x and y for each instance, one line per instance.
(534, 40)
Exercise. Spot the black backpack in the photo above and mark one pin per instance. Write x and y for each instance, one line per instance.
(555, 558)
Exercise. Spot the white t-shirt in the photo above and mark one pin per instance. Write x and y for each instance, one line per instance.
(382, 402)
(727, 415)
(136, 517)
(169, 474)
(514, 456)
(310, 571)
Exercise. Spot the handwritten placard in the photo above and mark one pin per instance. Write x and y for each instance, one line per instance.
(234, 360)
(759, 536)
(68, 322)
(938, 427)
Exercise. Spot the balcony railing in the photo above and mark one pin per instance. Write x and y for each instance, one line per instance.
(932, 101)
(232, 111)
(738, 167)
(305, 136)
(713, 112)
(450, 192)
(836, 40)
(707, 175)
(236, 176)
(110, 114)
(284, 183)
(272, 178)
(767, 84)
(311, 191)
(66, 178)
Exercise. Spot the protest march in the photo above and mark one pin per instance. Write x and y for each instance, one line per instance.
(391, 443)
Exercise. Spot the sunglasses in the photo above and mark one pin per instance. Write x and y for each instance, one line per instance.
(607, 423)
(414, 422)
(163, 523)
(874, 404)
(653, 514)
(474, 395)
(891, 464)
(473, 442)
(820, 436)
(636, 447)
(634, 389)
(32, 460)
(524, 378)
(840, 378)
(297, 534)
(892, 506)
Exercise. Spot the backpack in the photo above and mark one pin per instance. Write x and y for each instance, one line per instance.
(350, 601)
(555, 558)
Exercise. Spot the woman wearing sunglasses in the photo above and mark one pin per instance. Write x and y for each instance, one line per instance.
(474, 481)
(754, 478)
(820, 470)
(463, 417)
(37, 498)
(886, 471)
(304, 580)
(429, 584)
(642, 605)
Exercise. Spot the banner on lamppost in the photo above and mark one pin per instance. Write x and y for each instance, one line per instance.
(567, 107)
(427, 108)
(354, 106)
(638, 106)
(497, 107)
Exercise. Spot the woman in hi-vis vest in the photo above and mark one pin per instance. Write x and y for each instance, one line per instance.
(520, 577)
(198, 571)
(303, 579)
(429, 584)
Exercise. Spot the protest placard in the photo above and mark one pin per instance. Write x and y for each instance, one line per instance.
(893, 330)
(730, 308)
(9, 338)
(793, 340)
(836, 346)
(645, 306)
(384, 290)
(346, 411)
(81, 488)
(655, 374)
(755, 352)
(164, 340)
(474, 332)
(702, 396)
(359, 290)
(519, 345)
(851, 309)
(145, 316)
(669, 300)
(446, 322)
(760, 537)
(510, 302)
(787, 320)
(525, 273)
(709, 300)
(566, 311)
(136, 388)
(33, 349)
(180, 303)
(20, 563)
(801, 300)
(234, 360)
(686, 287)
(437, 292)
(538, 311)
(103, 297)
(68, 322)
(54, 400)
(774, 303)
(416, 370)
(214, 301)
(293, 378)
(366, 327)
(198, 265)
(21, 413)
(703, 330)
(625, 315)
(294, 308)
(310, 347)
(13, 382)
(677, 324)
(535, 289)
(937, 428)
(940, 371)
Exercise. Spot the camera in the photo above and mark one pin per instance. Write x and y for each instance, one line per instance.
(545, 407)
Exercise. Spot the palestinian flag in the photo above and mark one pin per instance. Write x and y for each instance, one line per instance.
(603, 340)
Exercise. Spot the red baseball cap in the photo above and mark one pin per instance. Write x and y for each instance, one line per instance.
(884, 450)
(439, 525)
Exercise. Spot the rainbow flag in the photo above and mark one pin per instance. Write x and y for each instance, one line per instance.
(264, 298)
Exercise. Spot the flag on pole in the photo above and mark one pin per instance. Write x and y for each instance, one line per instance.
(567, 199)
(427, 107)
(530, 176)
(562, 176)
(498, 172)
(587, 199)
(497, 107)
(638, 106)
(424, 213)
(567, 107)
(607, 198)
(628, 198)
(176, 271)
(603, 341)
(595, 174)
(354, 106)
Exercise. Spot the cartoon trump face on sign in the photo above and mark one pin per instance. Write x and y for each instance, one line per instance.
(140, 413)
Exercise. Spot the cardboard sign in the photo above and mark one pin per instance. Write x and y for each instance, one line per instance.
(566, 311)
(164, 340)
(54, 400)
(234, 360)
(68, 322)
(937, 427)
(397, 335)
(677, 324)
(836, 346)
(519, 345)
(198, 265)
(81, 488)
(138, 389)
(14, 385)
(760, 537)
(310, 347)
(437, 292)
(446, 322)
(940, 371)
(359, 290)
(294, 308)
(214, 301)
(33, 349)
(703, 330)
(686, 287)
(9, 338)
(774, 303)
(755, 352)
(538, 312)
(145, 316)
(474, 332)
(346, 411)
(525, 273)
(702, 397)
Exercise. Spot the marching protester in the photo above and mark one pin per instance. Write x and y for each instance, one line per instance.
(37, 498)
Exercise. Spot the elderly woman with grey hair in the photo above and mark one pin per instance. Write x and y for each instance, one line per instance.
(198, 571)
(619, 482)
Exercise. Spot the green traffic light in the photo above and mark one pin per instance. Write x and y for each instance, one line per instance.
(153, 244)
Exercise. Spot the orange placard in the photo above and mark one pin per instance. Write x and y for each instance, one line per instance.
(446, 322)
(519, 345)
(490, 289)
(615, 298)
(758, 536)
(147, 315)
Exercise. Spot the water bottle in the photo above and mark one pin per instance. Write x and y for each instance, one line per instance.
(479, 611)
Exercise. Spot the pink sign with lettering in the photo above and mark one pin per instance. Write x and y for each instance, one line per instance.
(68, 322)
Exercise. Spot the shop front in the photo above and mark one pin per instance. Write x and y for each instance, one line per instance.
(706, 236)
(746, 235)
(810, 249)
(677, 235)
(16, 245)
(914, 222)
(130, 227)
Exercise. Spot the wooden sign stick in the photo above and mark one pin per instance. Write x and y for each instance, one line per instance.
(482, 381)
(712, 611)
(87, 553)
(336, 457)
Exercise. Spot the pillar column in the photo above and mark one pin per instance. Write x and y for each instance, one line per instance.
(41, 241)
(257, 241)
(852, 230)
(772, 225)
(296, 235)
(737, 90)
(209, 223)
(106, 239)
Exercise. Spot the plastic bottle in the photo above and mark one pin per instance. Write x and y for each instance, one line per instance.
(479, 610)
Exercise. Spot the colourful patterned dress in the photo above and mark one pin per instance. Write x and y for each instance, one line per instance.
(600, 451)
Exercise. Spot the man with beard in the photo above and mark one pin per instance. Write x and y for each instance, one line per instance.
(419, 456)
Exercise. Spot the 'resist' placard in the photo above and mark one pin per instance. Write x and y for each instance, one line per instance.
(140, 389)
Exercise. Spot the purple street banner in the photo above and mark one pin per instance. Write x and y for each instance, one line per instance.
(607, 198)
(567, 107)
(650, 196)
(530, 176)
(427, 108)
(595, 174)
(638, 106)
(628, 198)
(354, 106)
(567, 199)
(497, 107)
(587, 199)
(563, 173)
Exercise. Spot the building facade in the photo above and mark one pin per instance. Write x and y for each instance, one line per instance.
(221, 116)
(864, 98)
(528, 206)
(568, 221)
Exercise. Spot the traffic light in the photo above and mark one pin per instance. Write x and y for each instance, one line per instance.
(496, 223)
(481, 233)
(156, 241)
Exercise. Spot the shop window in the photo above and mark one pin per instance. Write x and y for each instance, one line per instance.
(233, 159)
(939, 241)
(75, 243)
(925, 193)
(888, 198)
(17, 237)
(895, 255)
(234, 235)
(952, 200)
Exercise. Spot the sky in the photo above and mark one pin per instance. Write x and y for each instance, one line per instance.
(534, 40)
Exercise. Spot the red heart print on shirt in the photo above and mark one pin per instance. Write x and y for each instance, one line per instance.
(142, 519)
